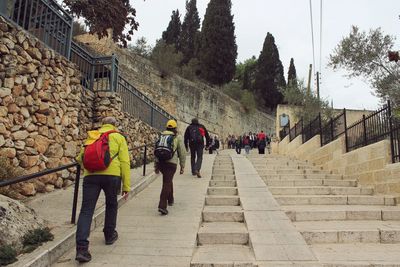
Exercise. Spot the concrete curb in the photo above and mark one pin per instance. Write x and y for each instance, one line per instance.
(55, 250)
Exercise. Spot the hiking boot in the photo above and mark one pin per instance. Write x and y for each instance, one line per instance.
(163, 211)
(111, 240)
(170, 203)
(83, 254)
(198, 174)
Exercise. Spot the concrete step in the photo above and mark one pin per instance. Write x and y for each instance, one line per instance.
(216, 183)
(320, 190)
(223, 214)
(289, 166)
(335, 200)
(341, 212)
(290, 171)
(311, 182)
(358, 255)
(223, 172)
(222, 233)
(222, 201)
(317, 232)
(222, 191)
(221, 177)
(223, 166)
(300, 176)
(222, 256)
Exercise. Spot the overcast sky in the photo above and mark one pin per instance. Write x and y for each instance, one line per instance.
(289, 22)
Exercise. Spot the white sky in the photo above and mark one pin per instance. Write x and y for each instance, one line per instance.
(289, 22)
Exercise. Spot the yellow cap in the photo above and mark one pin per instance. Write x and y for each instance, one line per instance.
(171, 124)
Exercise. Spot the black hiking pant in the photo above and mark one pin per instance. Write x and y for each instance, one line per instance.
(196, 157)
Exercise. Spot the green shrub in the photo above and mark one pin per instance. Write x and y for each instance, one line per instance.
(8, 255)
(166, 58)
(35, 238)
(248, 101)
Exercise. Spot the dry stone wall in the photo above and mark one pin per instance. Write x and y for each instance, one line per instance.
(45, 113)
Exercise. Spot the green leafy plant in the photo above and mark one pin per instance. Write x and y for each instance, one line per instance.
(35, 238)
(8, 255)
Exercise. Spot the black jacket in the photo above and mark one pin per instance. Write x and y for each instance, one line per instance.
(187, 135)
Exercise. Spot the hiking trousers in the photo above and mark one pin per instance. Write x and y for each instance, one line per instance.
(196, 158)
(92, 185)
(167, 192)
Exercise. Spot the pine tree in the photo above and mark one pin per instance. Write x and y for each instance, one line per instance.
(218, 49)
(269, 75)
(292, 76)
(190, 29)
(172, 34)
(246, 79)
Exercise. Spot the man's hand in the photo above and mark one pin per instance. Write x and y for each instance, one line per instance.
(125, 195)
(182, 170)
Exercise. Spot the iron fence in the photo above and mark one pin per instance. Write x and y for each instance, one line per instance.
(45, 19)
(296, 130)
(395, 139)
(312, 128)
(284, 132)
(334, 128)
(370, 129)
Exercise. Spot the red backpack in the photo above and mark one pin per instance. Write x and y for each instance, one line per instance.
(96, 156)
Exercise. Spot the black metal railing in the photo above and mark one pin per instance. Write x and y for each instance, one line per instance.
(29, 177)
(333, 129)
(370, 129)
(285, 131)
(312, 128)
(296, 130)
(45, 19)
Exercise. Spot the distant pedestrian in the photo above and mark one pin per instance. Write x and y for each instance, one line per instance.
(169, 148)
(238, 144)
(246, 143)
(261, 146)
(194, 139)
(102, 173)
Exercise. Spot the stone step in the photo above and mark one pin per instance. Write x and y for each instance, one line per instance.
(222, 201)
(220, 177)
(222, 233)
(335, 200)
(320, 190)
(222, 191)
(358, 255)
(223, 256)
(216, 183)
(317, 232)
(342, 212)
(223, 172)
(223, 214)
(290, 171)
(300, 176)
(311, 182)
(289, 166)
(223, 166)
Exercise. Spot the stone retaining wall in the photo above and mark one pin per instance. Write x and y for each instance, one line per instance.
(45, 113)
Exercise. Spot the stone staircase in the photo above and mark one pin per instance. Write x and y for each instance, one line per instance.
(345, 224)
(223, 238)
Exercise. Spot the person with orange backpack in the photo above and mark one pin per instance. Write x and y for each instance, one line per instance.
(105, 159)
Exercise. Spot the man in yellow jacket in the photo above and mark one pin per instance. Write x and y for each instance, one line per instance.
(108, 180)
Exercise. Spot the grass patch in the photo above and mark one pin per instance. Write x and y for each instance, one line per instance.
(35, 238)
(8, 255)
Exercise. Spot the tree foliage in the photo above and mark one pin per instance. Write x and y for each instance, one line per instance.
(172, 34)
(190, 31)
(101, 15)
(245, 72)
(166, 58)
(292, 76)
(308, 105)
(141, 47)
(364, 55)
(217, 49)
(269, 79)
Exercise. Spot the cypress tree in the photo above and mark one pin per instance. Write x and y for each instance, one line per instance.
(246, 79)
(218, 49)
(292, 76)
(190, 29)
(269, 75)
(172, 33)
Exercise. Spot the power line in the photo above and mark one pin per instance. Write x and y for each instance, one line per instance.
(312, 36)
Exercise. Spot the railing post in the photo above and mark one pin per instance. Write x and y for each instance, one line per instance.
(69, 41)
(144, 160)
(76, 190)
(345, 131)
(365, 131)
(320, 128)
(391, 130)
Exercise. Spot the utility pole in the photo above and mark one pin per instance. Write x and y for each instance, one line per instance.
(318, 85)
(309, 80)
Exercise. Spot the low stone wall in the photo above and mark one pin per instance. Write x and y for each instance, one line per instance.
(45, 113)
(370, 165)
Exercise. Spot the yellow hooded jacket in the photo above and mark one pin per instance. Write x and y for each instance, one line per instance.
(120, 165)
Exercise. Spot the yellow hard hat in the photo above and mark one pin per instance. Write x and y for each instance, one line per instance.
(171, 124)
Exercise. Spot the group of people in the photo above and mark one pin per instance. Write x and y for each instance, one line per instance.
(106, 162)
(249, 141)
